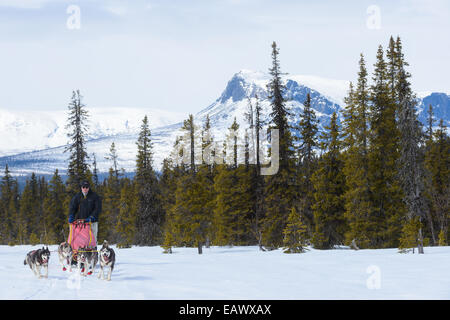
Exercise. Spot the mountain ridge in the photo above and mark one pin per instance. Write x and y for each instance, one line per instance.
(327, 96)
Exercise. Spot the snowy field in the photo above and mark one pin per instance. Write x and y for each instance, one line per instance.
(237, 273)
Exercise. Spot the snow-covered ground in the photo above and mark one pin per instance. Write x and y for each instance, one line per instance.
(237, 273)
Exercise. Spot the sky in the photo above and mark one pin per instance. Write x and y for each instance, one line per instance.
(178, 55)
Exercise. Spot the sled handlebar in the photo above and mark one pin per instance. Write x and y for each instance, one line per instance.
(78, 221)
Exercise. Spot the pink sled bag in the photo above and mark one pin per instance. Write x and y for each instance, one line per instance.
(81, 235)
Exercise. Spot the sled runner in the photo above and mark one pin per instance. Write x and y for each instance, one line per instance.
(81, 236)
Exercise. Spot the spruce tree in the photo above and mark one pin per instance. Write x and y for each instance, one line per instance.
(308, 129)
(168, 183)
(279, 193)
(280, 113)
(149, 214)
(173, 171)
(209, 170)
(386, 192)
(113, 157)
(193, 208)
(256, 181)
(233, 196)
(232, 140)
(411, 160)
(437, 163)
(393, 58)
(428, 135)
(208, 151)
(358, 204)
(95, 172)
(228, 214)
(329, 185)
(111, 199)
(77, 126)
(191, 214)
(295, 233)
(409, 235)
(189, 141)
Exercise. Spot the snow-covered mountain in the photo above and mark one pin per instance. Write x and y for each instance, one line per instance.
(25, 131)
(42, 135)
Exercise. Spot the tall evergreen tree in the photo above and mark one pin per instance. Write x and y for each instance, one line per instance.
(308, 129)
(113, 157)
(411, 160)
(358, 204)
(255, 123)
(149, 214)
(233, 210)
(280, 113)
(386, 192)
(208, 169)
(77, 126)
(189, 140)
(329, 184)
(279, 192)
(429, 136)
(208, 151)
(95, 172)
(192, 210)
(437, 164)
(168, 182)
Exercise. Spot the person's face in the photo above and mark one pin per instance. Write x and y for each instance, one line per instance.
(85, 189)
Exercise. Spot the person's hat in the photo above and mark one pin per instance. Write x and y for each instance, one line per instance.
(85, 184)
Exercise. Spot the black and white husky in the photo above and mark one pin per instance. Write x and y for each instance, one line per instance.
(37, 259)
(87, 257)
(107, 259)
(65, 253)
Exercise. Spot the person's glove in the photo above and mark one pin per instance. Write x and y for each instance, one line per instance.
(90, 219)
(70, 218)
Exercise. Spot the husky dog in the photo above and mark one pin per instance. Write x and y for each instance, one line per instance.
(87, 257)
(65, 255)
(107, 259)
(37, 259)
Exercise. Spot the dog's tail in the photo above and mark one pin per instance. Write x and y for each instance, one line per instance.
(25, 262)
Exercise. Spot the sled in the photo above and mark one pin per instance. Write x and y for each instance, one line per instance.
(81, 235)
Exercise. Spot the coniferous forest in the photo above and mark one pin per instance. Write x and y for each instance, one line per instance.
(376, 179)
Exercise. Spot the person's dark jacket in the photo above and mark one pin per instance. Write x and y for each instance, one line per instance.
(87, 208)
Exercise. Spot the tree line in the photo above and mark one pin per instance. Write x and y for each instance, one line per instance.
(376, 179)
